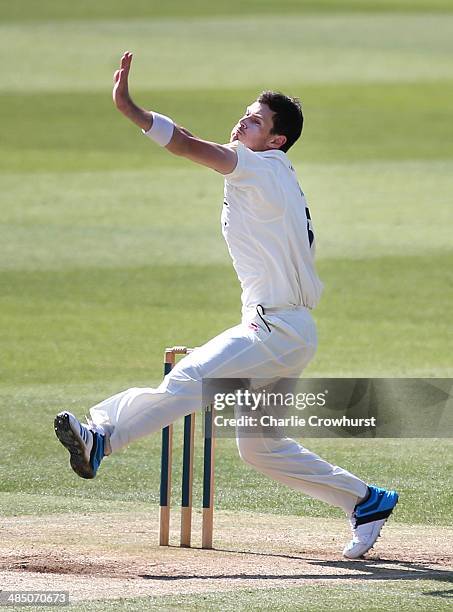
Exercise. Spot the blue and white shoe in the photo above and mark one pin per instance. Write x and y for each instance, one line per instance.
(368, 519)
(85, 445)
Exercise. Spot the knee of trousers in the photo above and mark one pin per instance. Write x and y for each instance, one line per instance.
(251, 450)
(182, 374)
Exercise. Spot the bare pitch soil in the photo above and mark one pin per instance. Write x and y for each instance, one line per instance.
(116, 555)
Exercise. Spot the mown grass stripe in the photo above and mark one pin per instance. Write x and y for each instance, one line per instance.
(29, 11)
(81, 56)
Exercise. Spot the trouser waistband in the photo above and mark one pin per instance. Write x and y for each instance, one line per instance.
(275, 309)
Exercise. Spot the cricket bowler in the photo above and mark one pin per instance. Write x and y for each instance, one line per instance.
(269, 234)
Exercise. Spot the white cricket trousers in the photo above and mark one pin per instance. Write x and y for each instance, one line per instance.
(246, 351)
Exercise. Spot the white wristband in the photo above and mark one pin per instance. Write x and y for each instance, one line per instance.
(161, 130)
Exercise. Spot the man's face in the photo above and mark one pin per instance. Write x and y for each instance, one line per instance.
(254, 129)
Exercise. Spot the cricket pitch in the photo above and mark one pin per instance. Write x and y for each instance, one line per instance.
(108, 556)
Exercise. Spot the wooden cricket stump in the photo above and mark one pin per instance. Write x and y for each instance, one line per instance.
(187, 471)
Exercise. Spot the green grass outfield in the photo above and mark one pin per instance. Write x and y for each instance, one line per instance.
(311, 598)
(111, 249)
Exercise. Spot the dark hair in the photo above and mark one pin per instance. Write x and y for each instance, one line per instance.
(288, 118)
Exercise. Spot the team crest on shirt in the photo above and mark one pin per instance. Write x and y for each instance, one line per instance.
(254, 327)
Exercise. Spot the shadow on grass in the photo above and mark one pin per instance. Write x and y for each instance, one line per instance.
(448, 594)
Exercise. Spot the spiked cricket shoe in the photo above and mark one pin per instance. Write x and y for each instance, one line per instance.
(368, 519)
(85, 445)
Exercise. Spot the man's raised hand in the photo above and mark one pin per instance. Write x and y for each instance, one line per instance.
(218, 157)
(120, 82)
(122, 99)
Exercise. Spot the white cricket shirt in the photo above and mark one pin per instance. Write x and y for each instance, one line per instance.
(266, 225)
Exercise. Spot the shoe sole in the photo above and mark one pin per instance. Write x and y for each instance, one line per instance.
(75, 445)
(378, 535)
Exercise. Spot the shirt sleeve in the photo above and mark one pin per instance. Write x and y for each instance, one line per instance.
(251, 168)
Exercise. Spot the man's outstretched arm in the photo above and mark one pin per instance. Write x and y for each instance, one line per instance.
(216, 156)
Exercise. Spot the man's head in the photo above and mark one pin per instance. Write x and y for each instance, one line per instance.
(273, 121)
